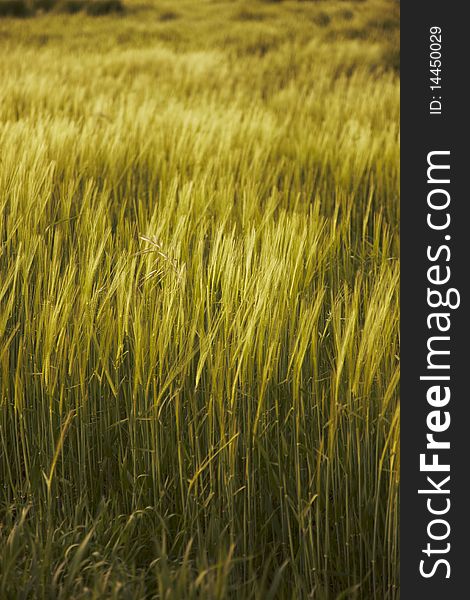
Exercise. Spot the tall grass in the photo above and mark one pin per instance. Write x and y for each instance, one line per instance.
(199, 303)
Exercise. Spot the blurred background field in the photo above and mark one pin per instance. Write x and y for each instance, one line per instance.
(199, 221)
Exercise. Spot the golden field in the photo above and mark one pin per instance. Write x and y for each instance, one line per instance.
(199, 220)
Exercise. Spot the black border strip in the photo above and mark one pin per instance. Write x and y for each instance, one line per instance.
(422, 133)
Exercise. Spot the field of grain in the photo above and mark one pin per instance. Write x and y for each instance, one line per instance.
(199, 270)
